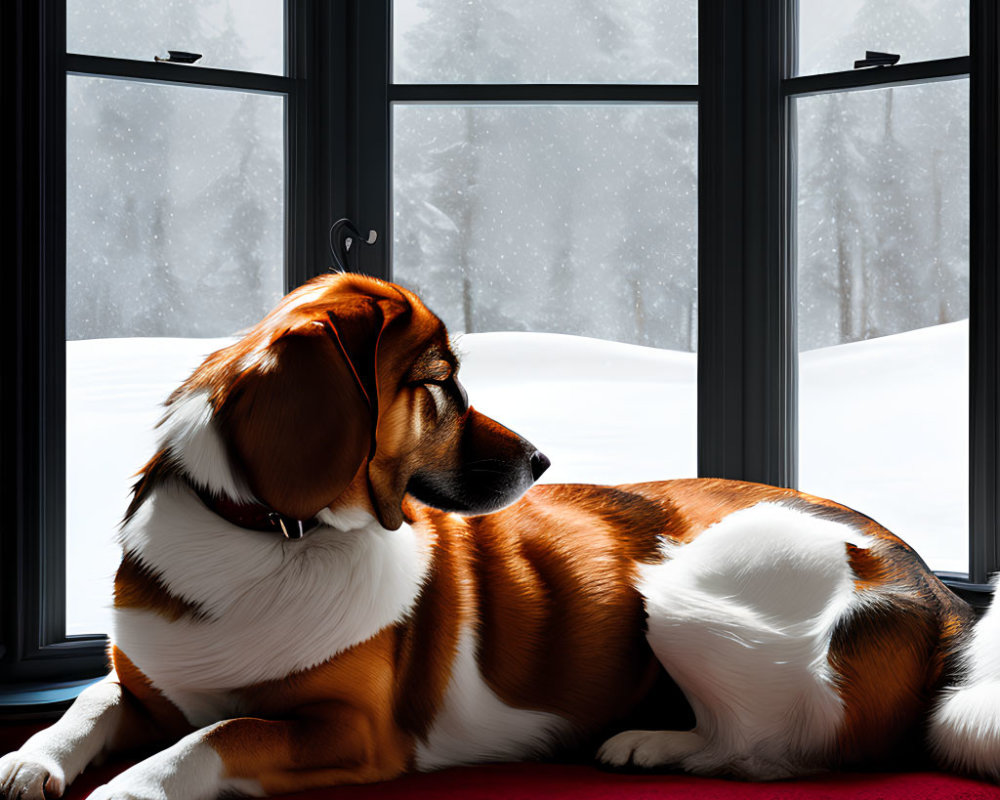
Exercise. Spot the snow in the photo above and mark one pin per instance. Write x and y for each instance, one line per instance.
(884, 428)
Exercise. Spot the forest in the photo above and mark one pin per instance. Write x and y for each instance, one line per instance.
(579, 219)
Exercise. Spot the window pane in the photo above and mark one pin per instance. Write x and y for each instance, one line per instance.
(883, 255)
(248, 35)
(175, 228)
(832, 36)
(546, 220)
(560, 41)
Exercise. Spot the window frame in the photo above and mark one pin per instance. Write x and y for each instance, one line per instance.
(338, 163)
(34, 648)
(981, 68)
(984, 323)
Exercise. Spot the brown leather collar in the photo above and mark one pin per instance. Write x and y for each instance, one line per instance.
(255, 516)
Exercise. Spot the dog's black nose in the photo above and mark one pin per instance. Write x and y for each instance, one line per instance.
(539, 463)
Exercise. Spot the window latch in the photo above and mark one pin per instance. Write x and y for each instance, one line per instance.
(178, 57)
(875, 59)
(340, 244)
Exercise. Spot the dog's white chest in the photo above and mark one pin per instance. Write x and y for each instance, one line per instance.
(270, 607)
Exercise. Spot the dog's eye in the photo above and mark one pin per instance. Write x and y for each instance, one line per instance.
(424, 383)
(428, 373)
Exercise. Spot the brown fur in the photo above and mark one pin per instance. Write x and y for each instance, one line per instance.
(344, 723)
(561, 627)
(138, 586)
(896, 651)
(548, 583)
(159, 468)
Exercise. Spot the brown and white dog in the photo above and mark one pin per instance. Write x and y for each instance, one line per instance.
(383, 633)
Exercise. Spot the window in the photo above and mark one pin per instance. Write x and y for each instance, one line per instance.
(715, 194)
(175, 229)
(166, 220)
(883, 275)
(545, 200)
(175, 237)
(896, 254)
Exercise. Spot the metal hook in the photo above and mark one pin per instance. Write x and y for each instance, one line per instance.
(345, 224)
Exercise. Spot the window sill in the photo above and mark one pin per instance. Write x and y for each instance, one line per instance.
(39, 700)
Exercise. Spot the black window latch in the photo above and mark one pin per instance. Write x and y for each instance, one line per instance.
(179, 57)
(876, 59)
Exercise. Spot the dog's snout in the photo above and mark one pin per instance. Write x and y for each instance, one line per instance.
(539, 463)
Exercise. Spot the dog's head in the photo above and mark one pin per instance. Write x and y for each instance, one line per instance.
(347, 394)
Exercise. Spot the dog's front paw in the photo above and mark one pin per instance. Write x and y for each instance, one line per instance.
(649, 748)
(30, 776)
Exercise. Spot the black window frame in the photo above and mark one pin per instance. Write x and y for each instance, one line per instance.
(980, 67)
(37, 659)
(340, 96)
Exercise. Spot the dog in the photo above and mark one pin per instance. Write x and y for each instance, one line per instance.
(328, 577)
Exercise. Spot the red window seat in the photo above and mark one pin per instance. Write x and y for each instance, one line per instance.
(573, 782)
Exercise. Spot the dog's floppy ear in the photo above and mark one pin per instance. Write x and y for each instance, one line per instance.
(385, 486)
(302, 419)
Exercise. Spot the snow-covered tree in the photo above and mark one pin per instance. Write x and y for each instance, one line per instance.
(174, 194)
(883, 189)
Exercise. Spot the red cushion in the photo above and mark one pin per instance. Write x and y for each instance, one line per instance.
(555, 781)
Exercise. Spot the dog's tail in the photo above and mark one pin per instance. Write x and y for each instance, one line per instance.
(965, 725)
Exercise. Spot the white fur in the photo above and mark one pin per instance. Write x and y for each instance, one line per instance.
(649, 749)
(190, 769)
(188, 432)
(475, 726)
(59, 753)
(965, 726)
(742, 618)
(346, 519)
(271, 606)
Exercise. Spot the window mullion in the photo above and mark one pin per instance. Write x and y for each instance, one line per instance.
(369, 134)
(720, 240)
(543, 93)
(51, 568)
(984, 325)
(770, 342)
(747, 359)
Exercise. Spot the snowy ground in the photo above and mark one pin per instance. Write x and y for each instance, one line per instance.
(883, 428)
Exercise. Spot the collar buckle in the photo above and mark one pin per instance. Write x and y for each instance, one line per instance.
(291, 528)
